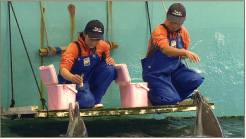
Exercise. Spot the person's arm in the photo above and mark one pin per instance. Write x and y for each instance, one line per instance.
(70, 77)
(160, 39)
(66, 63)
(168, 50)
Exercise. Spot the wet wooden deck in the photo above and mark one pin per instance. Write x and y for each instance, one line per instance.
(34, 112)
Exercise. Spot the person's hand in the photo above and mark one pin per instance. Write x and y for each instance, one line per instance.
(192, 56)
(77, 79)
(110, 61)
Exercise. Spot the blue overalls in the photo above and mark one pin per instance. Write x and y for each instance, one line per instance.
(169, 80)
(96, 80)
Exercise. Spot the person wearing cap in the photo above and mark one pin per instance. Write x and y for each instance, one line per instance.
(87, 64)
(169, 80)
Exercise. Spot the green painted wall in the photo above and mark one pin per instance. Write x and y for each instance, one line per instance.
(216, 31)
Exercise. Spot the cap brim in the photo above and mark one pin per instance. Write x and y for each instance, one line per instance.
(175, 19)
(93, 35)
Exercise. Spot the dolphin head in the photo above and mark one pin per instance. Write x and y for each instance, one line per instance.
(76, 126)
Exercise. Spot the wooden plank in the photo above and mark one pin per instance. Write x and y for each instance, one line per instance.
(188, 102)
(33, 110)
(6, 116)
(124, 111)
(19, 110)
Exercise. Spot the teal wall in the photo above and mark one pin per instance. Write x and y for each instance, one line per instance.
(216, 31)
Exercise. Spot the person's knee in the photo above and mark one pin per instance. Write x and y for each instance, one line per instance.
(190, 84)
(199, 79)
(110, 72)
(163, 98)
(196, 81)
(110, 69)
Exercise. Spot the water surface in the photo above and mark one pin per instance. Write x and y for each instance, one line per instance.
(121, 126)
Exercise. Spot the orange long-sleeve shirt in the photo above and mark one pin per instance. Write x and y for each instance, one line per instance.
(160, 39)
(71, 54)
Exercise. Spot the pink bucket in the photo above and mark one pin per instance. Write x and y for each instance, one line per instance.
(59, 95)
(134, 95)
(48, 75)
(123, 74)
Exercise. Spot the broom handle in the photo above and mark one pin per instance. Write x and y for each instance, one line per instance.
(82, 84)
(144, 87)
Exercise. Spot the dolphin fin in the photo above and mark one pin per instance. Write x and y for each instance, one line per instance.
(206, 123)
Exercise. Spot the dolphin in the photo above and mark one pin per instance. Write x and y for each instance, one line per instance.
(76, 126)
(206, 123)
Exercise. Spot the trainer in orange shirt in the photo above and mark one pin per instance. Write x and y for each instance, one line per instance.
(86, 63)
(169, 80)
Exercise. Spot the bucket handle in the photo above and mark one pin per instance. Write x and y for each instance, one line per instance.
(146, 88)
(72, 89)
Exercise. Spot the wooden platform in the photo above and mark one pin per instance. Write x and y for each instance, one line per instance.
(34, 112)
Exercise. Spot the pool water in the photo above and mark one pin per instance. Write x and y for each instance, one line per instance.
(121, 126)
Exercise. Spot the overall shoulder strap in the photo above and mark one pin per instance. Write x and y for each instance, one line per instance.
(80, 50)
(168, 33)
(178, 31)
(153, 47)
(164, 26)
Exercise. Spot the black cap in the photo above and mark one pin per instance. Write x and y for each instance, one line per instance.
(176, 13)
(95, 29)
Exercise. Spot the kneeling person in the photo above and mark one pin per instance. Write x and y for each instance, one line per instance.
(169, 80)
(86, 61)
